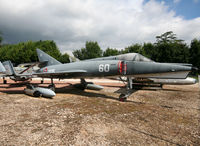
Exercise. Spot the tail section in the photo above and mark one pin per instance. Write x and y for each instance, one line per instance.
(9, 68)
(45, 58)
(2, 68)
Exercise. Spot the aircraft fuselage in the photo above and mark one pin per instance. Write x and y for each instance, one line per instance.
(108, 68)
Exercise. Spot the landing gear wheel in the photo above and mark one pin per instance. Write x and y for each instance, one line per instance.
(4, 81)
(79, 86)
(122, 97)
(37, 94)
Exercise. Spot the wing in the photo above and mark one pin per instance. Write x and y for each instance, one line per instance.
(60, 74)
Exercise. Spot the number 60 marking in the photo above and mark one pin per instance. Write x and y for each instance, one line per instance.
(104, 67)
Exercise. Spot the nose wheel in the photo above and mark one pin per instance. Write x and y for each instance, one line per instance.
(122, 97)
(129, 90)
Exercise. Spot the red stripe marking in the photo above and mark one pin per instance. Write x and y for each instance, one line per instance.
(119, 67)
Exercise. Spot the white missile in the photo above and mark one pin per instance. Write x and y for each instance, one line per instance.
(39, 91)
(187, 81)
(94, 87)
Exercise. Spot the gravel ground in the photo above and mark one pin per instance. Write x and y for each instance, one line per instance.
(150, 117)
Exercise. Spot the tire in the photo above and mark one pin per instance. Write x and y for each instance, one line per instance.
(4, 81)
(79, 86)
(122, 98)
(36, 94)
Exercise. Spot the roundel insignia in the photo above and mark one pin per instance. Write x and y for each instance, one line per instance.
(45, 70)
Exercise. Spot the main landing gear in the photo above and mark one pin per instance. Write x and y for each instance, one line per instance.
(52, 85)
(129, 90)
(4, 80)
(42, 81)
(82, 85)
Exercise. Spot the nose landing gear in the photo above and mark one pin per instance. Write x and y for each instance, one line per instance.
(129, 90)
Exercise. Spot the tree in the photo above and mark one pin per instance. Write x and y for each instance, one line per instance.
(110, 52)
(91, 50)
(64, 58)
(135, 48)
(170, 49)
(80, 54)
(26, 51)
(195, 52)
(149, 50)
(167, 37)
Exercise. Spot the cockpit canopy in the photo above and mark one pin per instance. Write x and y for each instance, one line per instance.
(127, 57)
(133, 57)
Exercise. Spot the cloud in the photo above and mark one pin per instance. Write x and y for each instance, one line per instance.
(113, 23)
(195, 1)
(176, 1)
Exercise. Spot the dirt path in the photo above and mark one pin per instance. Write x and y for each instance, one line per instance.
(73, 117)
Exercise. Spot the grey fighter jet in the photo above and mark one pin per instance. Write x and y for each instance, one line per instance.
(13, 75)
(154, 80)
(51, 68)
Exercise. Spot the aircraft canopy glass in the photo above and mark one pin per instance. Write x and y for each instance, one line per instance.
(133, 57)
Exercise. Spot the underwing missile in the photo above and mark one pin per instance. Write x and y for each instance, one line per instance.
(39, 91)
(94, 87)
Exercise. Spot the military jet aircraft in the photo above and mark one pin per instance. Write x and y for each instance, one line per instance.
(150, 81)
(13, 75)
(51, 68)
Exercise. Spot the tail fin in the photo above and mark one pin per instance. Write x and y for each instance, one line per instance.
(9, 68)
(45, 58)
(2, 68)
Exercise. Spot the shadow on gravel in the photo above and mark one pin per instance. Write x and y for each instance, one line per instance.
(66, 89)
(12, 91)
(71, 90)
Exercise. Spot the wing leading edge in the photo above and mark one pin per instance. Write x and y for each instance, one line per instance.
(46, 73)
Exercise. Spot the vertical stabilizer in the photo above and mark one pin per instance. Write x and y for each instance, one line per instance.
(45, 58)
(2, 68)
(9, 68)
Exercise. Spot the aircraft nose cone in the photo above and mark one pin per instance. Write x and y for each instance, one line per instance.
(195, 81)
(46, 92)
(50, 94)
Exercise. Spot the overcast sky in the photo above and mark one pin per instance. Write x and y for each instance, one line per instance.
(112, 23)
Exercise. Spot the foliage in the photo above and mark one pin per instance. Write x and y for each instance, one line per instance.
(149, 50)
(110, 52)
(26, 51)
(64, 58)
(167, 37)
(195, 53)
(135, 48)
(170, 49)
(91, 50)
